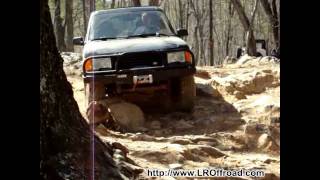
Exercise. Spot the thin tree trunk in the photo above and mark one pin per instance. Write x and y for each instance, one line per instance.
(153, 2)
(181, 17)
(85, 19)
(231, 12)
(59, 27)
(89, 6)
(196, 50)
(271, 11)
(66, 140)
(210, 34)
(103, 4)
(69, 25)
(136, 2)
(112, 4)
(188, 15)
(92, 6)
(247, 25)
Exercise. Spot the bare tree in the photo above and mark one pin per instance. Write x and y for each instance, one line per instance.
(210, 34)
(69, 24)
(85, 18)
(229, 35)
(247, 25)
(270, 9)
(153, 2)
(88, 7)
(113, 2)
(59, 27)
(136, 2)
(199, 13)
(181, 17)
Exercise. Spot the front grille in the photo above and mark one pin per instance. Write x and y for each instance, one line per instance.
(140, 60)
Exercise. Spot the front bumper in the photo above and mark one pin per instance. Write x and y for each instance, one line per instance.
(126, 76)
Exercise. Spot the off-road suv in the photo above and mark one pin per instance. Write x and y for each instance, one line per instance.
(130, 50)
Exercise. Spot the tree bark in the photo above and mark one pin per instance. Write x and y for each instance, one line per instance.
(271, 11)
(181, 17)
(113, 4)
(88, 7)
(153, 2)
(67, 144)
(103, 4)
(85, 21)
(248, 26)
(69, 25)
(229, 35)
(59, 27)
(210, 34)
(136, 3)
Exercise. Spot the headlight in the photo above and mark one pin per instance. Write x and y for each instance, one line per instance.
(101, 63)
(180, 56)
(97, 64)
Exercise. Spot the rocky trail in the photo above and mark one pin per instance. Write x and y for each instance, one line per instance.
(235, 123)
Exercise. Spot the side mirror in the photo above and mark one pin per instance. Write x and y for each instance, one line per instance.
(78, 41)
(182, 32)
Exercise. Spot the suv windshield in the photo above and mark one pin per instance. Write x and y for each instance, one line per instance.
(128, 24)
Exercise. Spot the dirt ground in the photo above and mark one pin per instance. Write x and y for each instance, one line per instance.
(235, 123)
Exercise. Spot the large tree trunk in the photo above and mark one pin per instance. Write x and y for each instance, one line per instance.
(136, 3)
(247, 25)
(59, 28)
(271, 11)
(67, 144)
(69, 25)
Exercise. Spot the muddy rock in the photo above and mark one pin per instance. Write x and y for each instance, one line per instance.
(239, 95)
(203, 150)
(155, 125)
(229, 60)
(183, 125)
(181, 141)
(97, 112)
(117, 145)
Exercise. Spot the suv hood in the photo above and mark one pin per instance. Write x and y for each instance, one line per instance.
(115, 46)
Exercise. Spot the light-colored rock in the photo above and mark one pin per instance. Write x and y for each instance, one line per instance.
(263, 140)
(244, 59)
(127, 115)
(175, 166)
(239, 95)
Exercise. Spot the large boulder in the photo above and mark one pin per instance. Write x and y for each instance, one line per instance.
(127, 115)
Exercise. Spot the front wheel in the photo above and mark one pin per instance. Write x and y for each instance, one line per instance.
(93, 92)
(187, 94)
